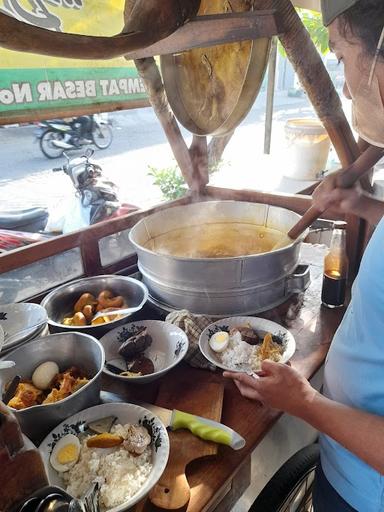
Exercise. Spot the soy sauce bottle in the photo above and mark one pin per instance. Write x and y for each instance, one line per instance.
(335, 268)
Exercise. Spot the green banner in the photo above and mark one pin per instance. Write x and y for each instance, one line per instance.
(33, 82)
(61, 87)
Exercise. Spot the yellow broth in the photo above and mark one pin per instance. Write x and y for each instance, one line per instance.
(219, 240)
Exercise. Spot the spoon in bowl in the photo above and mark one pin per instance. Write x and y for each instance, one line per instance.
(112, 312)
(7, 364)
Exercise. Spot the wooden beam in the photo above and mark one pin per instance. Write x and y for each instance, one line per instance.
(150, 74)
(270, 97)
(215, 29)
(43, 114)
(199, 157)
(35, 252)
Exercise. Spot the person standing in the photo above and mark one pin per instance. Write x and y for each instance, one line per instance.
(350, 413)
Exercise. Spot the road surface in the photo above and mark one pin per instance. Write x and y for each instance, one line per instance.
(26, 178)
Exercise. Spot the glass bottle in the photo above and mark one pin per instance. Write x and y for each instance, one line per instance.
(335, 268)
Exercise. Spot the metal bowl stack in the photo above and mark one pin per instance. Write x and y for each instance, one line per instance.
(21, 323)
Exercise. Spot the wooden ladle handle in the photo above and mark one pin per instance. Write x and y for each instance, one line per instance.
(306, 220)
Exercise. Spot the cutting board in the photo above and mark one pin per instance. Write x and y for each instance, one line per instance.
(204, 398)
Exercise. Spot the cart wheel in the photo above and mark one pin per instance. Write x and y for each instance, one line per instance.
(290, 489)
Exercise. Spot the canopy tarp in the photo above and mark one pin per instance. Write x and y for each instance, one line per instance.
(308, 4)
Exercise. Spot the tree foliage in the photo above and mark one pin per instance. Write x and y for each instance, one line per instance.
(313, 22)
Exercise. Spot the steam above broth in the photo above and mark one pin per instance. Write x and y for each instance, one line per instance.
(218, 240)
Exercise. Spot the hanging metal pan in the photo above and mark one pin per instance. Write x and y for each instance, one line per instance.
(210, 90)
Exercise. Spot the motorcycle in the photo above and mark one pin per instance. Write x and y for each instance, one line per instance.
(57, 136)
(95, 200)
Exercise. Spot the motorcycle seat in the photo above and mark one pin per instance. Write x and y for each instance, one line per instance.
(30, 220)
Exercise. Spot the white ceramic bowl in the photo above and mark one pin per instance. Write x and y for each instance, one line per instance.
(21, 322)
(169, 346)
(260, 325)
(126, 413)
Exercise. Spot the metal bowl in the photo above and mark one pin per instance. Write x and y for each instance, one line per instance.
(66, 349)
(60, 302)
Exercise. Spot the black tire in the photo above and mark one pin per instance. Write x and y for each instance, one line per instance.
(102, 135)
(287, 482)
(46, 146)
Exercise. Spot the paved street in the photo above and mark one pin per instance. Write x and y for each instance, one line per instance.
(26, 178)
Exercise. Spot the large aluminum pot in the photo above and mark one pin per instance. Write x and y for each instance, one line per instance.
(66, 349)
(219, 286)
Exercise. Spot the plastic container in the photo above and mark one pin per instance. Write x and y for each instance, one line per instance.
(308, 148)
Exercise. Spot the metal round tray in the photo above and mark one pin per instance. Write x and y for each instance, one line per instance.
(211, 90)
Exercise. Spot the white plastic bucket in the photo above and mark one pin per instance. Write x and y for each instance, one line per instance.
(308, 148)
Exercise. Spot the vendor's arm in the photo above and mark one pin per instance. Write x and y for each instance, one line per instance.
(325, 195)
(283, 388)
(353, 200)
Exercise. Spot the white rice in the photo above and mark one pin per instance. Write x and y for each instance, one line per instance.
(240, 355)
(237, 353)
(119, 473)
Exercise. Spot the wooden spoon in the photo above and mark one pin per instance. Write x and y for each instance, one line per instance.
(346, 179)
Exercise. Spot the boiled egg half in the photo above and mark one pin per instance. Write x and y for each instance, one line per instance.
(44, 374)
(219, 341)
(65, 453)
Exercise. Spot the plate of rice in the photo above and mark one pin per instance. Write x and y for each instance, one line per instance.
(241, 343)
(122, 447)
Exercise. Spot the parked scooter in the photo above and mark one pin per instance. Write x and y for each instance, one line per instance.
(58, 136)
(96, 199)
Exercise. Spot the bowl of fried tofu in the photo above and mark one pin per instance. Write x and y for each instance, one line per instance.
(53, 378)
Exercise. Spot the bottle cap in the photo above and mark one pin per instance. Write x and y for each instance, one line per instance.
(339, 224)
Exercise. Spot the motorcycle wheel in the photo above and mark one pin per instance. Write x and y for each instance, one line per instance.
(46, 144)
(102, 135)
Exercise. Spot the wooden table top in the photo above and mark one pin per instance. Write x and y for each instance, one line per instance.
(313, 327)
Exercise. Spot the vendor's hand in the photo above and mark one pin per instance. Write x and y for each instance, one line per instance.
(342, 200)
(279, 386)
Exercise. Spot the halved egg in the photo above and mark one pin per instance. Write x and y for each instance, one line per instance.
(65, 453)
(219, 341)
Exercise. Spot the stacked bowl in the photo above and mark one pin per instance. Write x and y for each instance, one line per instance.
(21, 323)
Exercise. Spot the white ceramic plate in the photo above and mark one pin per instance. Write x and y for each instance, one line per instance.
(169, 346)
(1, 337)
(21, 322)
(28, 445)
(260, 325)
(125, 413)
(44, 331)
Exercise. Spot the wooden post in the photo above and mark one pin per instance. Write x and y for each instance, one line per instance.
(151, 77)
(320, 90)
(193, 162)
(270, 96)
(216, 149)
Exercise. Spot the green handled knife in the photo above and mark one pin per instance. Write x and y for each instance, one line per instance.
(206, 429)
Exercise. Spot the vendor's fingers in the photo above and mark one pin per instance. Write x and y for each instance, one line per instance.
(241, 377)
(248, 392)
(269, 367)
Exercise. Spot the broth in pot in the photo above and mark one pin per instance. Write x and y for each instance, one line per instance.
(216, 240)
